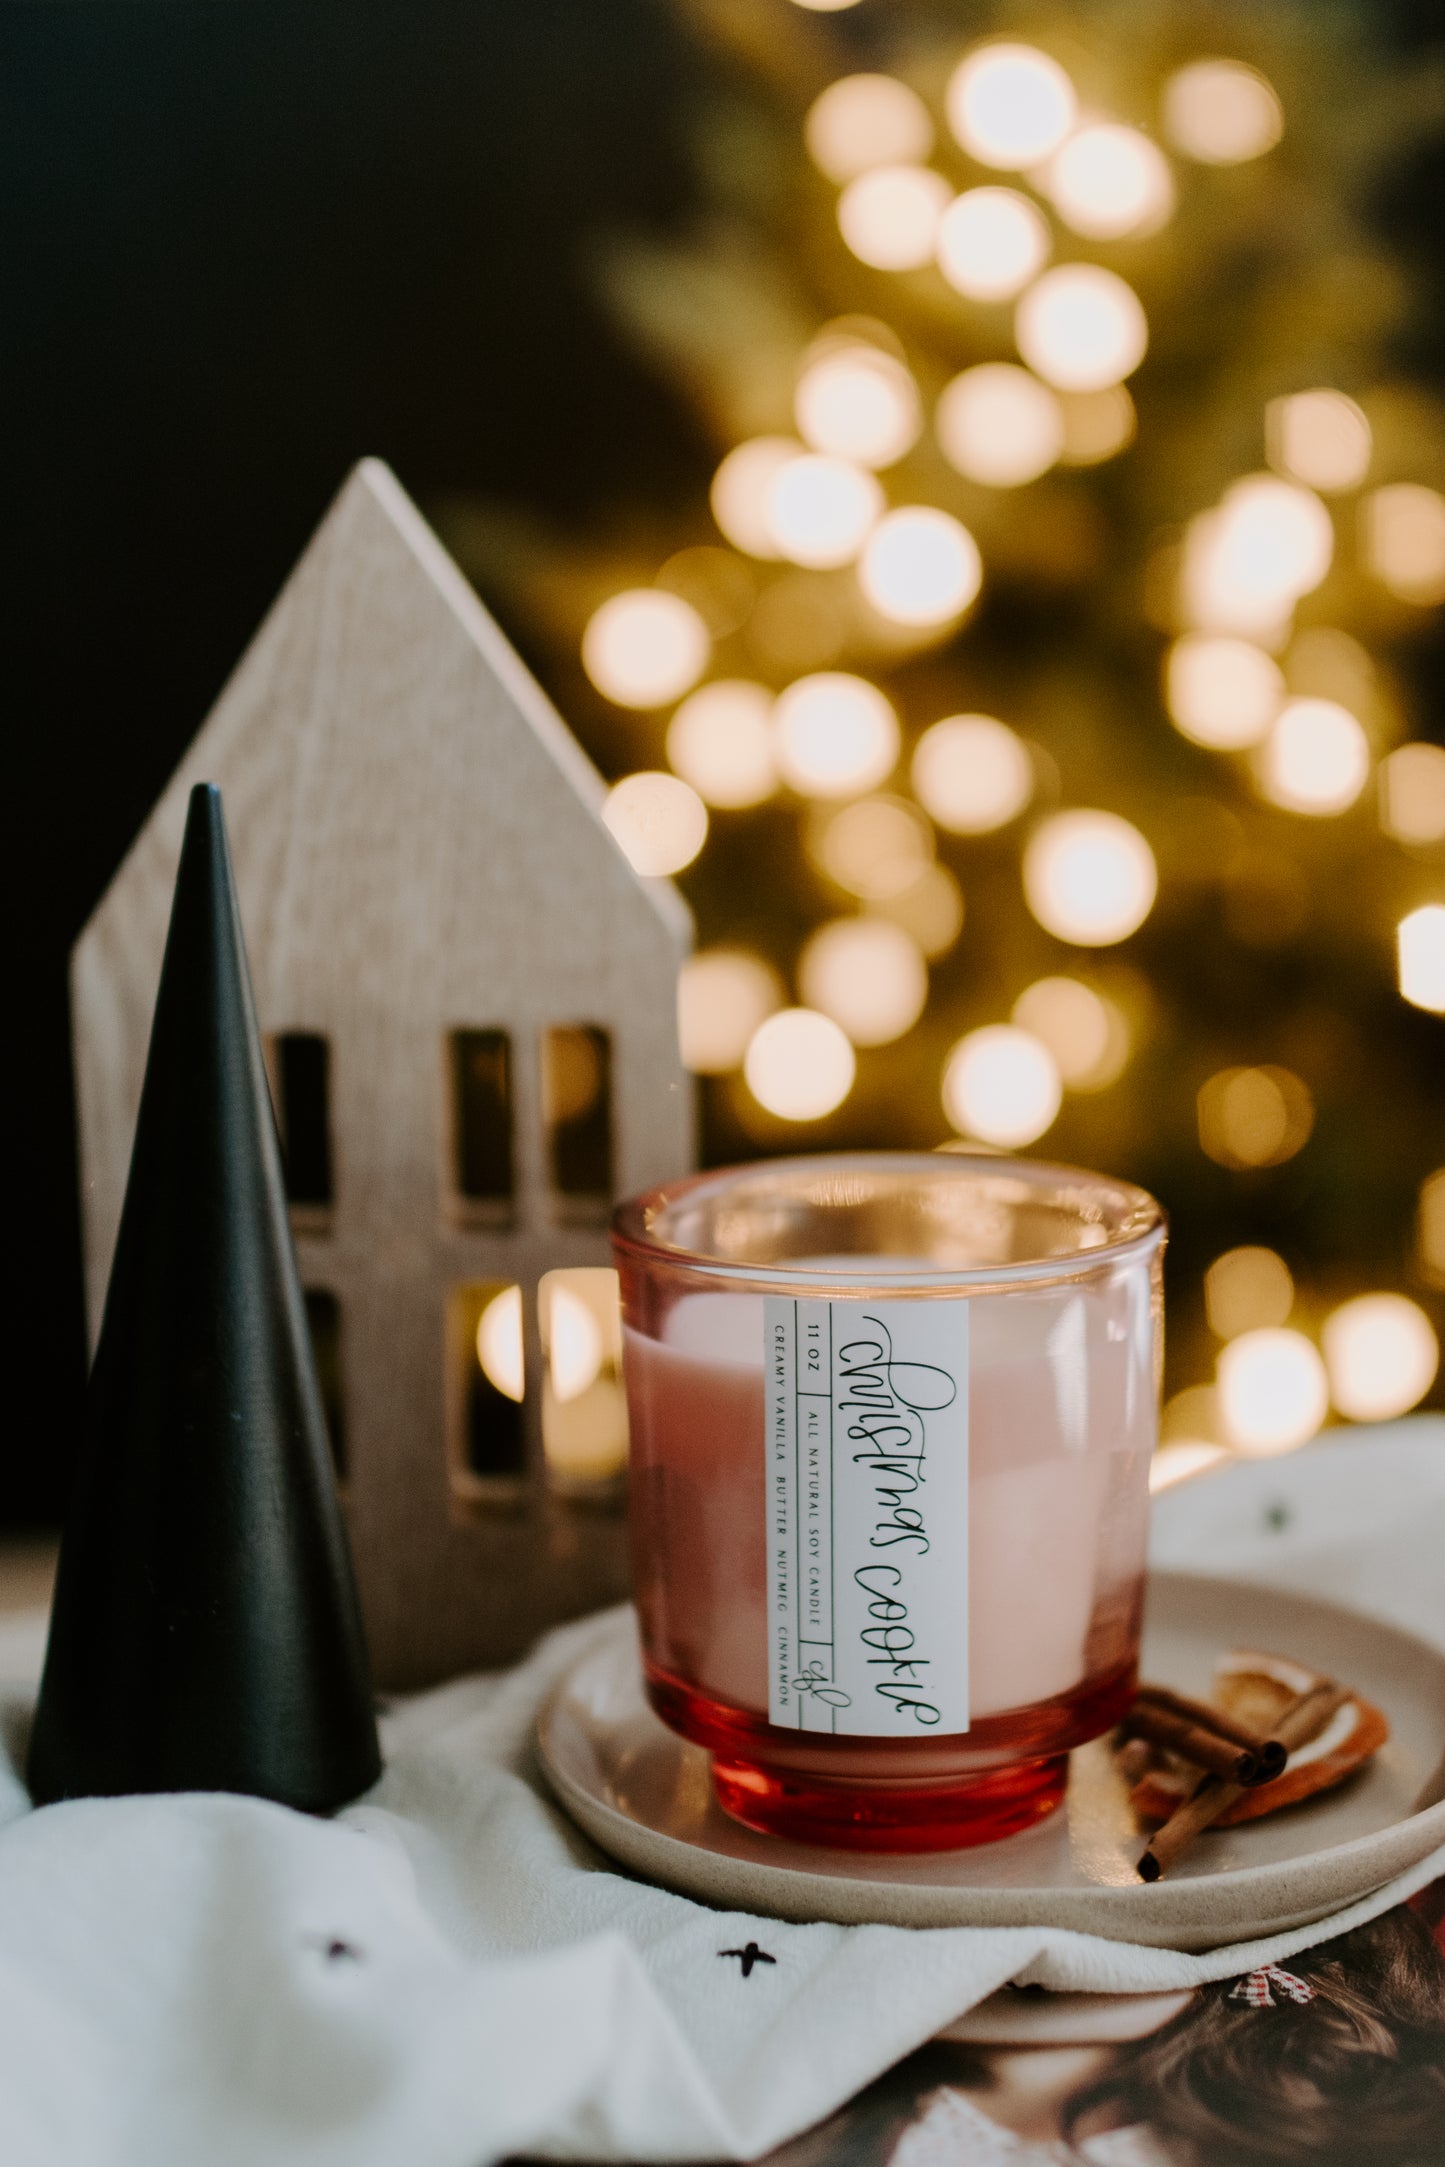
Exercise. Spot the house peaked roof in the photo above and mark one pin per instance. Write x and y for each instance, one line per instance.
(418, 842)
(371, 536)
(371, 507)
(383, 489)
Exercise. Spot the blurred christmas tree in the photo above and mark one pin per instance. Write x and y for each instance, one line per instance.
(1027, 688)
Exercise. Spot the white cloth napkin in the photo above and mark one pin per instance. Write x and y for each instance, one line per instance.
(1358, 1517)
(450, 1973)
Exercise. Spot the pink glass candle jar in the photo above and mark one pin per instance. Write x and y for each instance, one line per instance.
(891, 1422)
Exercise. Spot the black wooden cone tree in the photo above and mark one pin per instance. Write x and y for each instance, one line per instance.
(205, 1633)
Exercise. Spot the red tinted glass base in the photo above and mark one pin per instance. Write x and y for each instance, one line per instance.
(995, 1780)
(871, 1816)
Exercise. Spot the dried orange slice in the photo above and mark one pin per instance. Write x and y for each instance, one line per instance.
(1256, 1688)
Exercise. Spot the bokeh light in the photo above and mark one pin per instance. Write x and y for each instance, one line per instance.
(866, 120)
(717, 583)
(1221, 112)
(991, 242)
(929, 909)
(1420, 939)
(875, 848)
(584, 1406)
(1273, 1392)
(825, 7)
(801, 621)
(572, 1077)
(1106, 181)
(1254, 1116)
(920, 566)
(972, 773)
(1430, 1227)
(1247, 562)
(1097, 424)
(740, 487)
(1221, 590)
(659, 821)
(867, 975)
(1319, 437)
(1081, 327)
(1089, 877)
(819, 511)
(855, 402)
(799, 1065)
(1404, 541)
(837, 736)
(999, 425)
(1181, 1461)
(1412, 794)
(723, 995)
(572, 1337)
(1009, 105)
(1382, 1354)
(1222, 692)
(1191, 1416)
(1316, 758)
(721, 741)
(1246, 1290)
(890, 216)
(1083, 1030)
(1325, 663)
(499, 1343)
(645, 648)
(1001, 1086)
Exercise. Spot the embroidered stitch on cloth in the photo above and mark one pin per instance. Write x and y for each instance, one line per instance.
(1255, 1989)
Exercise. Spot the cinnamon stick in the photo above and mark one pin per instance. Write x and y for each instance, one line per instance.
(1270, 1752)
(1303, 1720)
(1193, 1741)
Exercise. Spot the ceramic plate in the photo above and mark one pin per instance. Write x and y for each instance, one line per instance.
(643, 1794)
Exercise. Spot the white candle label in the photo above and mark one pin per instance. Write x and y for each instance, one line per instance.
(867, 1503)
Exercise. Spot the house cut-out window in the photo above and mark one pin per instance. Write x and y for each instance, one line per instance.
(584, 1408)
(323, 1316)
(481, 1123)
(301, 1062)
(486, 1391)
(577, 1110)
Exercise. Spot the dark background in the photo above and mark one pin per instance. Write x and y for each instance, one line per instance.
(243, 245)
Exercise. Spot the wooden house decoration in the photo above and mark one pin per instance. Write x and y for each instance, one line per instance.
(469, 1000)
